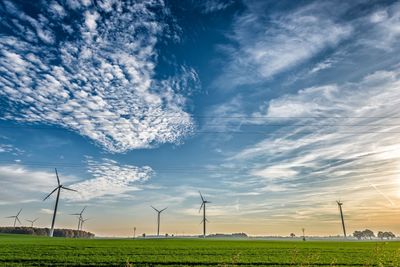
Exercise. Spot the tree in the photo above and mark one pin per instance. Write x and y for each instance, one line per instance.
(381, 234)
(292, 235)
(368, 234)
(388, 235)
(358, 234)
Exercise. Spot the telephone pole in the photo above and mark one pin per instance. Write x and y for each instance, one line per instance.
(341, 216)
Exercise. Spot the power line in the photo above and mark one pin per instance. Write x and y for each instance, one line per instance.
(224, 132)
(144, 115)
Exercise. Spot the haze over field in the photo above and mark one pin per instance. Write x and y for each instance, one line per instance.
(274, 110)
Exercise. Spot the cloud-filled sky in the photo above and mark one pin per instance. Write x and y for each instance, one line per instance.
(273, 109)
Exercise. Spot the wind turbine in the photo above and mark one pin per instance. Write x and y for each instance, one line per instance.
(32, 221)
(58, 189)
(203, 206)
(80, 217)
(341, 216)
(82, 221)
(158, 219)
(16, 217)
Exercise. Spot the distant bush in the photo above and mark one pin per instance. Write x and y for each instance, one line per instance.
(234, 235)
(45, 232)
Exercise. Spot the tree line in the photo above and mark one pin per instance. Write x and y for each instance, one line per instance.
(368, 234)
(45, 232)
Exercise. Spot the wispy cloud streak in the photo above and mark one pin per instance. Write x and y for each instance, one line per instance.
(109, 179)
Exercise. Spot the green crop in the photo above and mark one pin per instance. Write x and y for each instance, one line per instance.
(16, 250)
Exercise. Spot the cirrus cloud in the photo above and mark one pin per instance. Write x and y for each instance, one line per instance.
(109, 179)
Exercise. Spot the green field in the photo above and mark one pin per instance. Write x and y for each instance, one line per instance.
(16, 250)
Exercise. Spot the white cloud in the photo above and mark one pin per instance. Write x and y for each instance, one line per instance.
(270, 45)
(385, 27)
(19, 184)
(321, 66)
(335, 140)
(109, 179)
(90, 20)
(7, 148)
(277, 171)
(210, 6)
(47, 211)
(98, 78)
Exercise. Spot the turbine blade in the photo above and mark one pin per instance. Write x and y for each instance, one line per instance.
(18, 220)
(19, 212)
(35, 219)
(66, 188)
(10, 217)
(155, 209)
(202, 204)
(58, 179)
(83, 210)
(163, 209)
(75, 214)
(201, 196)
(51, 193)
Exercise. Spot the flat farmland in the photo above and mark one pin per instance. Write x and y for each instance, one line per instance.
(19, 250)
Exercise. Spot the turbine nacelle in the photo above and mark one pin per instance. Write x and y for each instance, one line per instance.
(32, 221)
(159, 211)
(16, 218)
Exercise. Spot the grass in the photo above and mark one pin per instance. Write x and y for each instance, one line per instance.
(19, 250)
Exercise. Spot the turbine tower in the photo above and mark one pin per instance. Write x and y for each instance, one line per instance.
(16, 217)
(58, 189)
(341, 216)
(203, 206)
(80, 217)
(158, 219)
(32, 221)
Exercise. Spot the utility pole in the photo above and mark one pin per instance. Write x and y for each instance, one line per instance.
(341, 216)
(304, 236)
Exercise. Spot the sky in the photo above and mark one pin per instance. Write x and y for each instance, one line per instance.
(274, 110)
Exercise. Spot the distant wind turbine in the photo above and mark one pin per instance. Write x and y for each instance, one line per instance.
(341, 216)
(16, 218)
(58, 189)
(80, 217)
(203, 206)
(82, 221)
(158, 219)
(32, 221)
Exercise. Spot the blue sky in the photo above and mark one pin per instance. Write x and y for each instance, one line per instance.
(273, 109)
